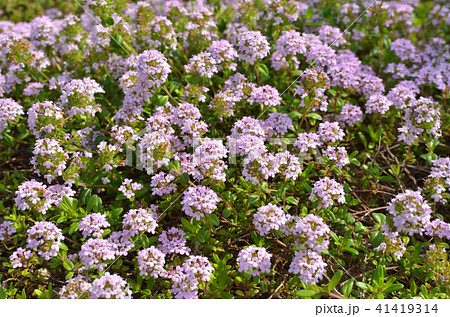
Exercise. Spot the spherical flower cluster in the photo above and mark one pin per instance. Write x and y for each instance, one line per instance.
(45, 118)
(30, 196)
(186, 278)
(252, 46)
(45, 237)
(410, 212)
(309, 265)
(254, 260)
(208, 158)
(277, 124)
(423, 115)
(260, 166)
(76, 288)
(92, 225)
(268, 218)
(223, 54)
(331, 35)
(327, 191)
(310, 231)
(438, 182)
(95, 252)
(313, 80)
(128, 188)
(266, 96)
(330, 132)
(338, 155)
(152, 69)
(110, 286)
(403, 93)
(49, 159)
(289, 165)
(306, 141)
(77, 97)
(158, 33)
(120, 242)
(203, 65)
(9, 110)
(378, 104)
(151, 262)
(173, 241)
(162, 184)
(199, 201)
(138, 221)
(350, 115)
(21, 258)
(6, 230)
(438, 228)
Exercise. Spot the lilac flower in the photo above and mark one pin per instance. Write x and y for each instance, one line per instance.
(309, 265)
(45, 117)
(120, 242)
(439, 180)
(49, 159)
(252, 46)
(277, 124)
(199, 201)
(21, 258)
(33, 89)
(223, 54)
(55, 193)
(338, 155)
(152, 68)
(350, 115)
(159, 33)
(403, 93)
(310, 230)
(208, 157)
(312, 80)
(327, 191)
(76, 287)
(410, 212)
(138, 221)
(330, 132)
(404, 49)
(423, 115)
(306, 141)
(187, 277)
(173, 241)
(151, 262)
(265, 95)
(78, 97)
(45, 238)
(42, 31)
(92, 225)
(128, 188)
(438, 228)
(31, 196)
(162, 184)
(203, 65)
(95, 252)
(378, 104)
(6, 230)
(289, 165)
(254, 260)
(9, 110)
(268, 218)
(331, 35)
(260, 166)
(110, 286)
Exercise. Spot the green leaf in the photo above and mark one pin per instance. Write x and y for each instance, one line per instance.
(184, 178)
(335, 280)
(393, 288)
(92, 203)
(359, 227)
(314, 116)
(305, 293)
(262, 69)
(68, 265)
(347, 287)
(376, 239)
(2, 292)
(379, 218)
(186, 224)
(214, 219)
